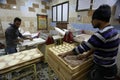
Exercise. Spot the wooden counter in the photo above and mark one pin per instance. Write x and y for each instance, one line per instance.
(62, 68)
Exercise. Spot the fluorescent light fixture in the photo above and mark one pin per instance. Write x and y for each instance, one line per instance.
(14, 7)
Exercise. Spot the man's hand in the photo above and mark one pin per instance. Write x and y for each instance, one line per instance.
(21, 40)
(65, 54)
(31, 38)
(85, 55)
(82, 56)
(28, 37)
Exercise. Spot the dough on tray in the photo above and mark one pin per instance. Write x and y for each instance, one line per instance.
(72, 60)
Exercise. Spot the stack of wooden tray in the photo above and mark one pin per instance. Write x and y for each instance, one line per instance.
(13, 61)
(63, 70)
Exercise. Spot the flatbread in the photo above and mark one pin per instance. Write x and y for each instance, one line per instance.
(24, 51)
(36, 55)
(30, 53)
(13, 62)
(26, 58)
(19, 56)
(9, 58)
(3, 57)
(15, 54)
(2, 65)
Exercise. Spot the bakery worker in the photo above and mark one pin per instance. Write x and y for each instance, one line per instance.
(119, 18)
(13, 36)
(103, 44)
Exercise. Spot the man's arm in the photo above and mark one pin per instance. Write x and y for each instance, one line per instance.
(85, 55)
(94, 42)
(23, 37)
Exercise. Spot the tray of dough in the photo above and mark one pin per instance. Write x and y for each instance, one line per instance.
(19, 58)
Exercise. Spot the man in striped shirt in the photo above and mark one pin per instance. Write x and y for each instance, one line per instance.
(103, 44)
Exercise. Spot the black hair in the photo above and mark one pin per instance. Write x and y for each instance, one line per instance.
(102, 13)
(17, 19)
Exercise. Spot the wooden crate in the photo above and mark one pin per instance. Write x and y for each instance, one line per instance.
(43, 48)
(64, 70)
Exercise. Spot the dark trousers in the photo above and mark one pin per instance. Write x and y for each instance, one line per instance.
(11, 50)
(103, 73)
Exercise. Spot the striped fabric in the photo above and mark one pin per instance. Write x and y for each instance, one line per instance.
(105, 43)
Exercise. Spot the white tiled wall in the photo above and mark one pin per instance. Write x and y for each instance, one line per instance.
(29, 19)
(5, 25)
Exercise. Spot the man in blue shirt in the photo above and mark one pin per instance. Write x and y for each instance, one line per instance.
(11, 34)
(103, 44)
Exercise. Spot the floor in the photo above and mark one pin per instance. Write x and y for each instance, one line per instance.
(45, 74)
(42, 73)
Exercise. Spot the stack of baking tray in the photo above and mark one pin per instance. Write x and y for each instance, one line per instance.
(66, 69)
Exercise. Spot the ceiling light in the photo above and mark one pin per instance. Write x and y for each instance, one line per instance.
(14, 7)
